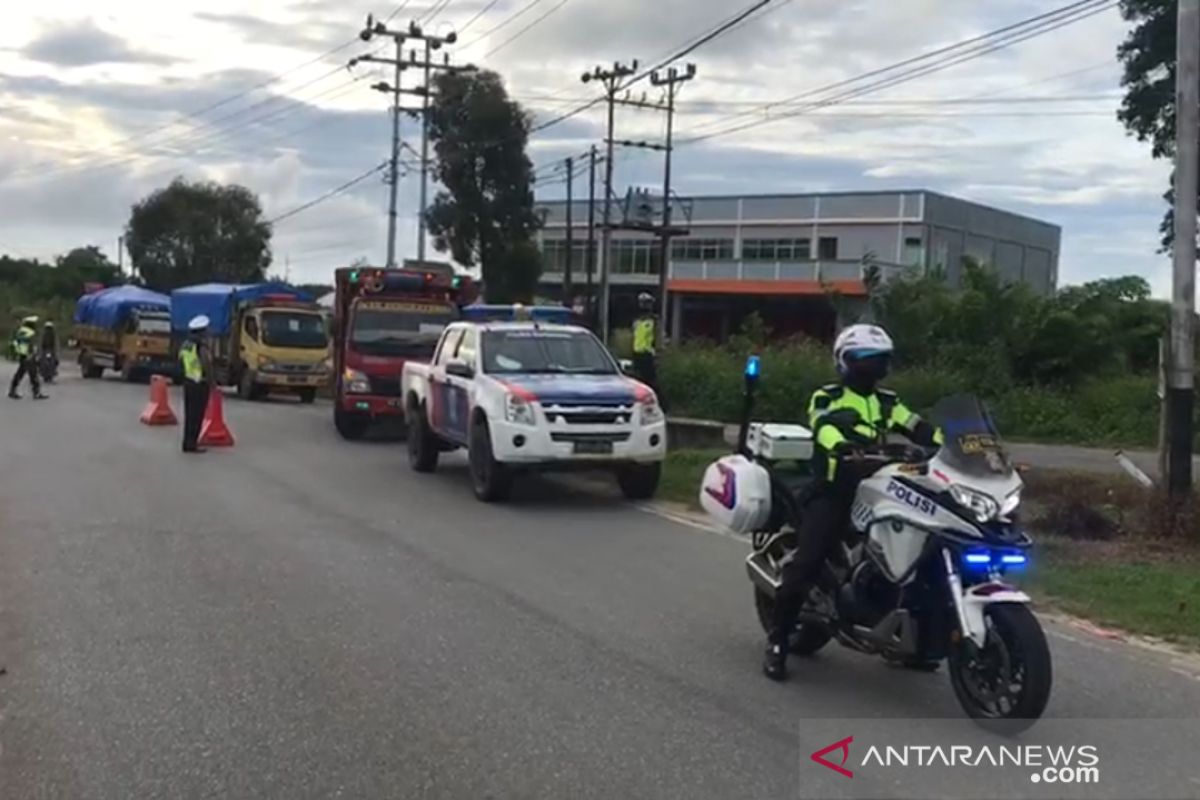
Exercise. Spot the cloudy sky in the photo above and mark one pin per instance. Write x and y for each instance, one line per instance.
(106, 101)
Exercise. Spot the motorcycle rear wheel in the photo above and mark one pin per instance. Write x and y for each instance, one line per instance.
(806, 638)
(1005, 685)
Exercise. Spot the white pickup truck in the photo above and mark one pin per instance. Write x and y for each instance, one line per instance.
(528, 395)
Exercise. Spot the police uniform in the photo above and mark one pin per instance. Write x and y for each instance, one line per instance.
(194, 370)
(644, 362)
(24, 341)
(840, 418)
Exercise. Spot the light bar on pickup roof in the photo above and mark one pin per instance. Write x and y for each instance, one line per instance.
(518, 313)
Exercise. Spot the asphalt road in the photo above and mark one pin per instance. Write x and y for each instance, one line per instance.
(303, 617)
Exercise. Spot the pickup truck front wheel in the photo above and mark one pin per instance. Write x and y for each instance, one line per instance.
(639, 481)
(491, 480)
(422, 445)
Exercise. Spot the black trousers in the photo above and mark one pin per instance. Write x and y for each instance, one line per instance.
(195, 400)
(646, 367)
(824, 518)
(26, 366)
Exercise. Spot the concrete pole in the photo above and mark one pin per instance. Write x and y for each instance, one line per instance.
(1181, 383)
(424, 155)
(395, 161)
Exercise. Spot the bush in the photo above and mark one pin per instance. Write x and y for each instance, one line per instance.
(705, 381)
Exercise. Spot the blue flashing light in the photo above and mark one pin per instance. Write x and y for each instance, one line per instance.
(1013, 559)
(753, 367)
(515, 313)
(978, 558)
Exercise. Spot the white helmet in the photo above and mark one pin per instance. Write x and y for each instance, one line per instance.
(198, 323)
(860, 341)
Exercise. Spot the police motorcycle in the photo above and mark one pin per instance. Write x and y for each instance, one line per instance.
(47, 367)
(919, 575)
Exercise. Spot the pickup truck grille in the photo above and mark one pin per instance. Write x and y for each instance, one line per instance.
(560, 436)
(385, 387)
(589, 413)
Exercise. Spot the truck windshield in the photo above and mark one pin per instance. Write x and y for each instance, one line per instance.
(545, 351)
(293, 329)
(150, 325)
(410, 330)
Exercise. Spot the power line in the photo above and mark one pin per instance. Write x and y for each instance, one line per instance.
(1013, 28)
(435, 10)
(328, 195)
(478, 14)
(396, 11)
(524, 30)
(510, 18)
(704, 39)
(1042, 28)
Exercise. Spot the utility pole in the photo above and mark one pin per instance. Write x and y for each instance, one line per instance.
(121, 255)
(570, 165)
(1181, 382)
(611, 80)
(672, 79)
(414, 31)
(591, 251)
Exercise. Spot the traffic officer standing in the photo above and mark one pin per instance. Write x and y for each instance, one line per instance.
(195, 366)
(645, 328)
(25, 343)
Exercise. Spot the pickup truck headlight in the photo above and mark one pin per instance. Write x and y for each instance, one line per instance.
(356, 382)
(981, 506)
(518, 410)
(652, 412)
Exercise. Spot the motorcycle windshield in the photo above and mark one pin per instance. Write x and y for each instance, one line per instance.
(972, 445)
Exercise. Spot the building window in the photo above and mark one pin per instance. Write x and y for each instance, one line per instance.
(554, 255)
(914, 252)
(702, 250)
(827, 248)
(636, 256)
(776, 250)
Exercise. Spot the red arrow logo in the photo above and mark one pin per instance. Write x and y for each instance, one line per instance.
(844, 746)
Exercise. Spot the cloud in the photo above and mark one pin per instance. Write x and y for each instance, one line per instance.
(83, 44)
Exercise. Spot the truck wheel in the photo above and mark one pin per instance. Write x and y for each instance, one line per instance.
(89, 369)
(491, 480)
(422, 444)
(350, 425)
(307, 395)
(639, 481)
(247, 389)
(128, 373)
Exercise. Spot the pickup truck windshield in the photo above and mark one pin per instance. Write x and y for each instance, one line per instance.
(293, 329)
(543, 351)
(409, 330)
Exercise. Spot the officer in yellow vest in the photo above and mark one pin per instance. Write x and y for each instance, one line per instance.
(645, 329)
(195, 368)
(25, 344)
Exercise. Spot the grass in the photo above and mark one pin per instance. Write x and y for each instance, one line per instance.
(1106, 565)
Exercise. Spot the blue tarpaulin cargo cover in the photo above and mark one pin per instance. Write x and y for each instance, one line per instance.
(217, 301)
(108, 308)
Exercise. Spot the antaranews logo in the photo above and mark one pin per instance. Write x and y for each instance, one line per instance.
(1066, 764)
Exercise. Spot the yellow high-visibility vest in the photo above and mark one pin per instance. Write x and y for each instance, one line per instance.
(193, 370)
(643, 335)
(24, 340)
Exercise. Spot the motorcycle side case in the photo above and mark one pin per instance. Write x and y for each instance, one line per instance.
(736, 493)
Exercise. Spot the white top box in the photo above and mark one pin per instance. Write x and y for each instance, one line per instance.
(780, 442)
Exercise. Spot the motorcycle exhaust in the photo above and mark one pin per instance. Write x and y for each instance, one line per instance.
(762, 574)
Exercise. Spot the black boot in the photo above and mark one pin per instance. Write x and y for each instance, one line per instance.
(13, 394)
(775, 659)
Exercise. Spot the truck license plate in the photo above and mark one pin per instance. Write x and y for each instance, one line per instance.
(594, 448)
(296, 379)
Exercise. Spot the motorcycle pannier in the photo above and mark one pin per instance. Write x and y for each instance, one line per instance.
(736, 492)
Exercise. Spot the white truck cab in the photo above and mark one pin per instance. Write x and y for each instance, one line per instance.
(530, 395)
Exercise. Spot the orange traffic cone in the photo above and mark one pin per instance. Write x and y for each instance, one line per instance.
(158, 410)
(213, 430)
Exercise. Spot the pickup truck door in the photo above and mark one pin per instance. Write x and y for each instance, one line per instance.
(455, 397)
(447, 416)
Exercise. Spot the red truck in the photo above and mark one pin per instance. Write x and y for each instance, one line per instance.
(381, 319)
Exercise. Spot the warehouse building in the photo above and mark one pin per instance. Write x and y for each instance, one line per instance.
(782, 255)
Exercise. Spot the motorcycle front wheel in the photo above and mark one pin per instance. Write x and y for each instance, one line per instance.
(805, 640)
(1004, 685)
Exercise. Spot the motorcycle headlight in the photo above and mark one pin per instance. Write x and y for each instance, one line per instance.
(356, 382)
(982, 506)
(652, 412)
(518, 410)
(1010, 503)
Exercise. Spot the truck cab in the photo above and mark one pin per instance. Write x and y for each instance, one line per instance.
(126, 329)
(384, 318)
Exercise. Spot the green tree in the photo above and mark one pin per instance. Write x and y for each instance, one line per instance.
(1148, 108)
(190, 233)
(485, 213)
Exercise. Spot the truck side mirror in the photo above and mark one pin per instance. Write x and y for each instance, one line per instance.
(460, 369)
